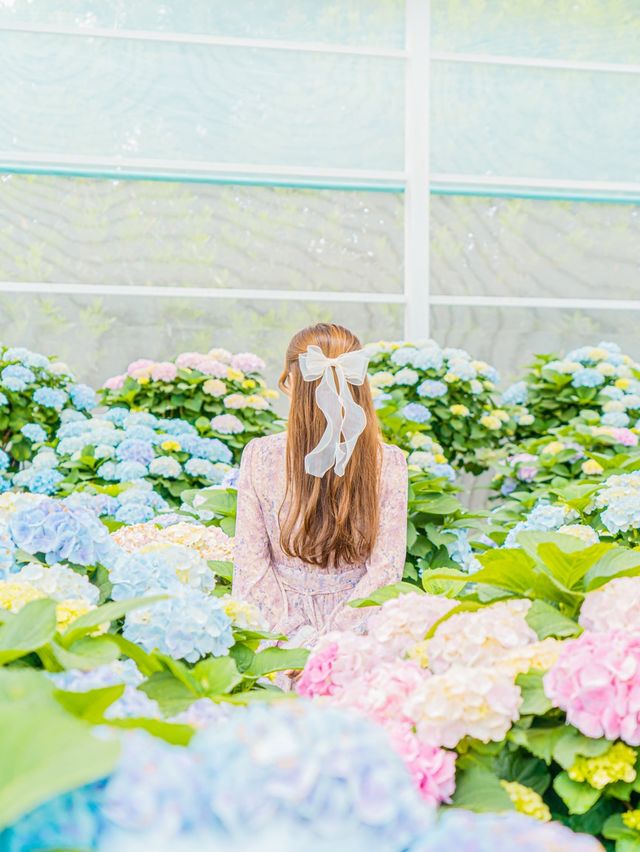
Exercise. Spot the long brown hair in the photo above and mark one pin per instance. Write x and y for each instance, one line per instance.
(332, 519)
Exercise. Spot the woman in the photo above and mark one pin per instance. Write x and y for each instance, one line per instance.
(322, 508)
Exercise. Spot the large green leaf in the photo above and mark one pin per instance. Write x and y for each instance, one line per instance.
(386, 593)
(618, 562)
(217, 675)
(570, 568)
(572, 743)
(478, 789)
(546, 621)
(105, 614)
(170, 693)
(277, 660)
(579, 797)
(29, 629)
(541, 742)
(86, 653)
(89, 705)
(45, 752)
(534, 699)
(172, 732)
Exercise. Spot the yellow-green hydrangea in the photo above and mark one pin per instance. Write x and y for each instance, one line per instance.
(490, 421)
(527, 801)
(632, 819)
(616, 764)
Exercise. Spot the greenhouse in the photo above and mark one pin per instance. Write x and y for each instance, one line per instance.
(320, 425)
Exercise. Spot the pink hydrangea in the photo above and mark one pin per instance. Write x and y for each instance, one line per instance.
(615, 605)
(433, 769)
(380, 692)
(140, 367)
(164, 371)
(403, 621)
(115, 382)
(596, 681)
(337, 660)
(211, 367)
(625, 437)
(189, 359)
(247, 362)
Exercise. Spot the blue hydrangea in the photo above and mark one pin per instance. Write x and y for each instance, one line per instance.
(39, 480)
(631, 401)
(177, 427)
(543, 517)
(488, 832)
(615, 418)
(4, 461)
(203, 468)
(134, 513)
(462, 369)
(416, 412)
(187, 626)
(132, 703)
(5, 484)
(404, 356)
(34, 432)
(83, 397)
(230, 479)
(99, 504)
(460, 551)
(116, 415)
(211, 449)
(69, 446)
(587, 378)
(7, 552)
(432, 389)
(380, 400)
(143, 433)
(143, 493)
(50, 398)
(68, 415)
(516, 394)
(165, 466)
(26, 357)
(139, 418)
(428, 358)
(131, 450)
(612, 392)
(44, 458)
(17, 378)
(406, 376)
(128, 471)
(61, 533)
(3, 400)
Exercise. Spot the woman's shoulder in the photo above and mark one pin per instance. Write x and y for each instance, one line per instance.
(266, 447)
(393, 453)
(394, 460)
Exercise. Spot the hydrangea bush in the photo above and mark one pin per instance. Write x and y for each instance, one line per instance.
(421, 388)
(556, 388)
(123, 447)
(223, 395)
(34, 392)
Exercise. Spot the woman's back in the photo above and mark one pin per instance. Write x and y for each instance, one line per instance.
(293, 595)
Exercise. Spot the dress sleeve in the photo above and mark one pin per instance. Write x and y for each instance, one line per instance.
(253, 579)
(386, 563)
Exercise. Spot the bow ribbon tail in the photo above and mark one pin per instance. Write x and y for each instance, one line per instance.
(323, 455)
(352, 423)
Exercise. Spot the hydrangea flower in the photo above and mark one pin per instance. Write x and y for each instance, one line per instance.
(34, 432)
(516, 394)
(188, 626)
(50, 398)
(488, 832)
(401, 622)
(62, 533)
(17, 378)
(432, 389)
(479, 638)
(616, 605)
(587, 378)
(416, 412)
(227, 424)
(453, 705)
(336, 660)
(596, 681)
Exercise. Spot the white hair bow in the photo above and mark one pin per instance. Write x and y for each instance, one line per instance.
(345, 418)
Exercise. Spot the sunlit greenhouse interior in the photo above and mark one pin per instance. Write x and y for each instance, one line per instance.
(383, 595)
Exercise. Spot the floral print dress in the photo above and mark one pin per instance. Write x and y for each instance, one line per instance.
(298, 599)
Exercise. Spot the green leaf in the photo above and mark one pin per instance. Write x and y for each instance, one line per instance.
(222, 569)
(541, 742)
(89, 705)
(46, 752)
(572, 744)
(105, 614)
(570, 568)
(146, 663)
(87, 653)
(217, 675)
(277, 660)
(615, 829)
(534, 700)
(441, 504)
(516, 572)
(478, 789)
(546, 621)
(577, 796)
(618, 562)
(172, 732)
(29, 629)
(170, 693)
(385, 593)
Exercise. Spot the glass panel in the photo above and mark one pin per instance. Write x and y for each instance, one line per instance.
(74, 230)
(99, 336)
(509, 337)
(353, 22)
(89, 98)
(598, 30)
(534, 123)
(520, 247)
